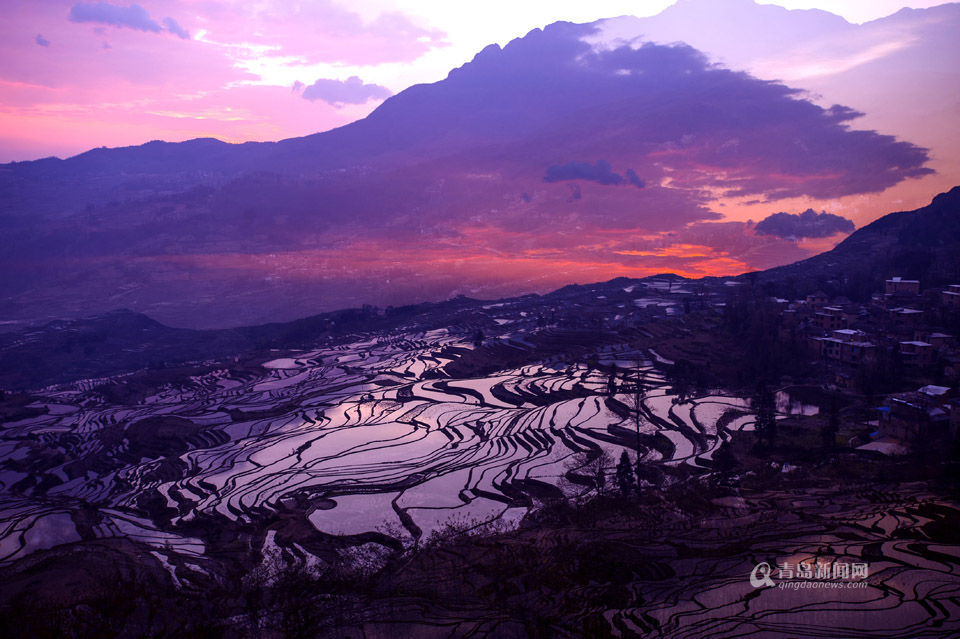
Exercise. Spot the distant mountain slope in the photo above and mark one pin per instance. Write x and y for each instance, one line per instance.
(110, 344)
(122, 341)
(922, 244)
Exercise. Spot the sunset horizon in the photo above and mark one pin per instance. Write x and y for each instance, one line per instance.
(870, 138)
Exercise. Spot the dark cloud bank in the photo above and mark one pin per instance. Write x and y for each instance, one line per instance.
(664, 109)
(601, 172)
(133, 16)
(807, 224)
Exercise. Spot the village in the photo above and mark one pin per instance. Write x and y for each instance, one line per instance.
(898, 336)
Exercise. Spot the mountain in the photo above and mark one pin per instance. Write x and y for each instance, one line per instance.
(121, 342)
(923, 244)
(449, 115)
(566, 156)
(110, 344)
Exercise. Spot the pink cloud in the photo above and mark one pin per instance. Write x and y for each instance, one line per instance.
(113, 79)
(238, 114)
(320, 31)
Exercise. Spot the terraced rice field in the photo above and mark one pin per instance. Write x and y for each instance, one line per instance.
(370, 435)
(375, 441)
(663, 573)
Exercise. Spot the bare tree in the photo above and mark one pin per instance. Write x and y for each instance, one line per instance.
(635, 393)
(612, 381)
(591, 468)
(625, 477)
(764, 403)
(831, 425)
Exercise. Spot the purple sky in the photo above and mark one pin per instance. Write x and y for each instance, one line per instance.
(77, 75)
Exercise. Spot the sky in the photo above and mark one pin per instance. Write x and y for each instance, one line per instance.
(79, 75)
(76, 75)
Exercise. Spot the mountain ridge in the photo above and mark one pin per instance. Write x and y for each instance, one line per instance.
(233, 159)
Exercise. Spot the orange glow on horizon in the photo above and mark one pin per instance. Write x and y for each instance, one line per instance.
(388, 260)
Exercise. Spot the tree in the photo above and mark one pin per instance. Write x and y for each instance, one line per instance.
(830, 427)
(686, 378)
(725, 460)
(649, 473)
(765, 405)
(478, 338)
(701, 293)
(591, 465)
(597, 470)
(295, 595)
(593, 362)
(635, 402)
(612, 381)
(880, 372)
(624, 474)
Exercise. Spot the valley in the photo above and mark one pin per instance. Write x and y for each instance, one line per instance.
(368, 435)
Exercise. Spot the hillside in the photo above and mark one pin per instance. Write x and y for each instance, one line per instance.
(923, 244)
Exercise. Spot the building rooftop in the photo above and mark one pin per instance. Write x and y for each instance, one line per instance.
(934, 391)
(886, 445)
(903, 281)
(835, 340)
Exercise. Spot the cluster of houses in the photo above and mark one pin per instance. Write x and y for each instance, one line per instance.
(926, 416)
(900, 319)
(903, 322)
